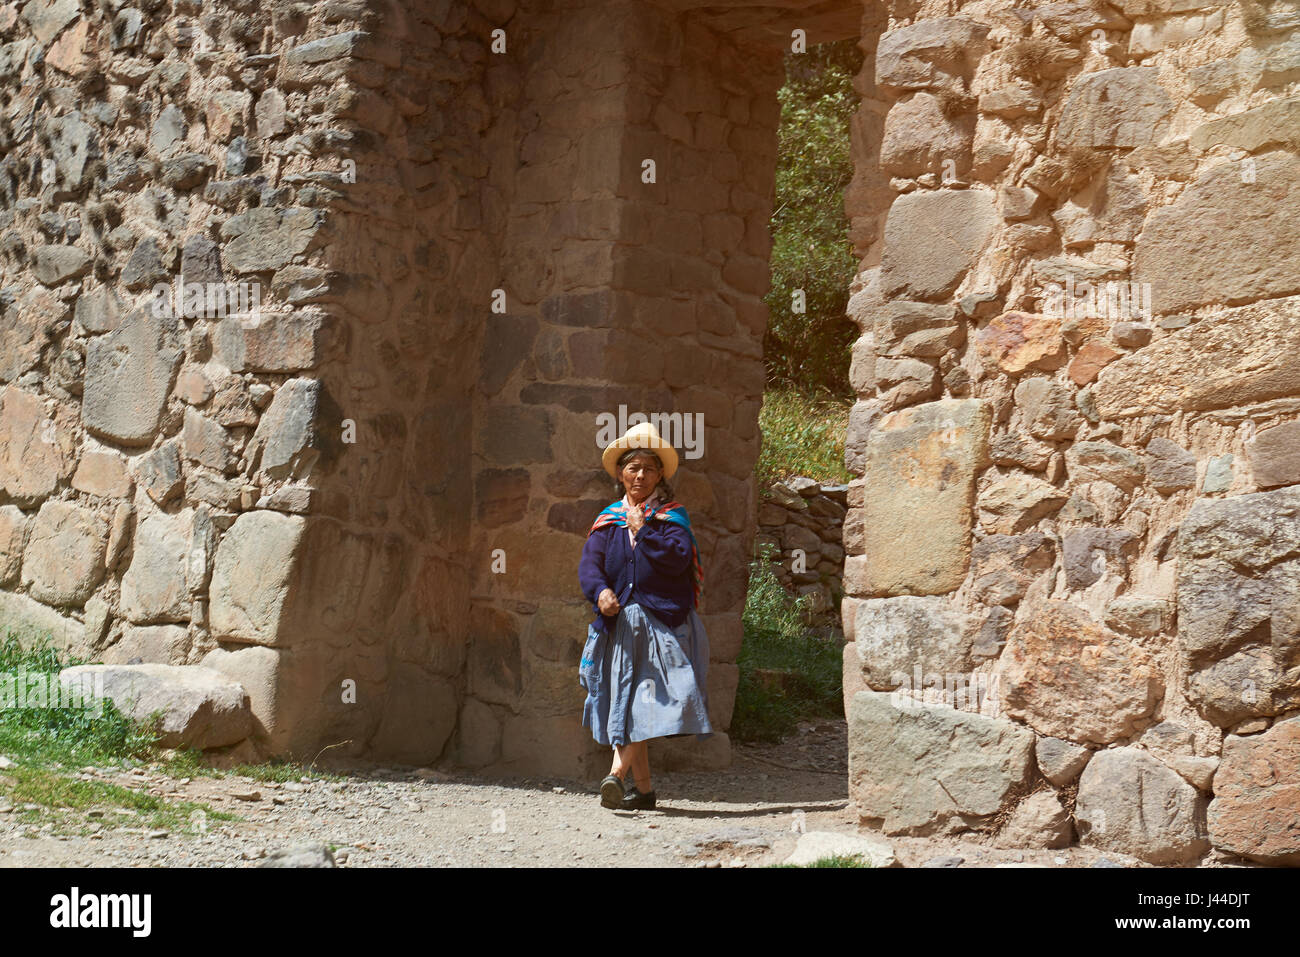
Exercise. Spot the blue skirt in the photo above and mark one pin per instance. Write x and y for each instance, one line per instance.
(646, 680)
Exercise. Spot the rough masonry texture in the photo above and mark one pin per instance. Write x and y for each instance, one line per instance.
(306, 316)
(1078, 218)
(307, 312)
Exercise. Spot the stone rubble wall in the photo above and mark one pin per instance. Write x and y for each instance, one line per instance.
(365, 500)
(1077, 522)
(284, 495)
(803, 520)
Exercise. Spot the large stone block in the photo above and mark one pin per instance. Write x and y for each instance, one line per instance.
(64, 561)
(418, 719)
(285, 444)
(1151, 36)
(1170, 467)
(1238, 623)
(1060, 761)
(928, 769)
(1125, 107)
(27, 327)
(201, 708)
(1246, 355)
(928, 53)
(932, 238)
(1273, 122)
(920, 329)
(1016, 502)
(1274, 456)
(14, 526)
(1097, 461)
(103, 474)
(1110, 210)
(478, 735)
(253, 576)
(1131, 803)
(45, 18)
(494, 666)
(37, 451)
(54, 265)
(205, 441)
(1006, 565)
(288, 342)
(1040, 820)
(1087, 552)
(33, 622)
(1016, 341)
(153, 644)
(1048, 409)
(257, 670)
(346, 586)
(266, 238)
(921, 465)
(1256, 806)
(1228, 238)
(920, 138)
(1070, 19)
(558, 746)
(1068, 677)
(154, 586)
(129, 375)
(895, 636)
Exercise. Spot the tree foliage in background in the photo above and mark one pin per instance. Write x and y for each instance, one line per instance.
(811, 250)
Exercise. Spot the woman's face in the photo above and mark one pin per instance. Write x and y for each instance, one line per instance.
(640, 475)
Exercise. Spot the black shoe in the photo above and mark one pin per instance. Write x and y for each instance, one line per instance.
(635, 800)
(612, 791)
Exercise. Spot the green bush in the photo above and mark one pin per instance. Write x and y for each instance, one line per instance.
(802, 435)
(776, 639)
(64, 735)
(810, 245)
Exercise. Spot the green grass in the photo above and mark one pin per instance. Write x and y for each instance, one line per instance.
(64, 800)
(64, 736)
(802, 435)
(190, 763)
(834, 860)
(776, 639)
(49, 746)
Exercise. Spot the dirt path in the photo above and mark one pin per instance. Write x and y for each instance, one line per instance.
(750, 814)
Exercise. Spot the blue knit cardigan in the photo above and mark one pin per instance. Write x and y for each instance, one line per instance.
(656, 574)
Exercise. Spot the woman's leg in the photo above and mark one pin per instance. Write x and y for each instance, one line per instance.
(640, 761)
(622, 765)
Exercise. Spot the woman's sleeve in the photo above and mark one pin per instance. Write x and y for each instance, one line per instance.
(666, 545)
(591, 569)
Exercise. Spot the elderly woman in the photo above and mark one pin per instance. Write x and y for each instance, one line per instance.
(646, 657)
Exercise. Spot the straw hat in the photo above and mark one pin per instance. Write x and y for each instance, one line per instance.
(642, 436)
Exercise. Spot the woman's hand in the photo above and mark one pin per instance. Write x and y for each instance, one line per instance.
(607, 602)
(635, 519)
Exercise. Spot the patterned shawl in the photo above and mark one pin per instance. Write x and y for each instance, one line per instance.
(613, 514)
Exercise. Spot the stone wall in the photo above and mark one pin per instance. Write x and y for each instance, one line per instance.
(363, 488)
(803, 520)
(277, 492)
(365, 497)
(1078, 431)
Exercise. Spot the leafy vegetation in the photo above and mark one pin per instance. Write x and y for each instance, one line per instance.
(52, 736)
(777, 645)
(834, 860)
(49, 746)
(810, 245)
(43, 794)
(802, 435)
